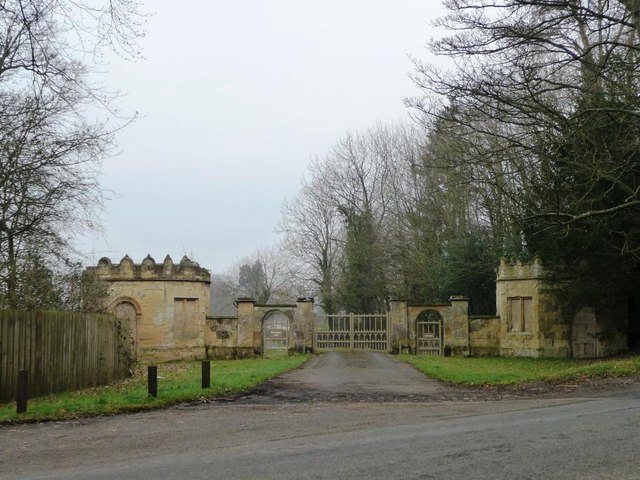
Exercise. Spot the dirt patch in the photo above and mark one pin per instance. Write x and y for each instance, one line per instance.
(276, 391)
(579, 388)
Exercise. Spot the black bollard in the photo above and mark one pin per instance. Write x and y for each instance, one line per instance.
(152, 380)
(21, 400)
(206, 374)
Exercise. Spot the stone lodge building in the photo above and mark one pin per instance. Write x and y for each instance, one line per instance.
(165, 304)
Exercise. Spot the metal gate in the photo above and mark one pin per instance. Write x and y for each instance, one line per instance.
(352, 333)
(275, 331)
(429, 333)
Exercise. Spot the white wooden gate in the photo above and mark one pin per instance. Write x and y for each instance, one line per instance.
(352, 332)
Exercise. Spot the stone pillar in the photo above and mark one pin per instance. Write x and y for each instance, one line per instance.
(459, 327)
(303, 324)
(245, 323)
(399, 328)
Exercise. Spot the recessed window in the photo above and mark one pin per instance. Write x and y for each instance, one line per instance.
(520, 314)
(185, 314)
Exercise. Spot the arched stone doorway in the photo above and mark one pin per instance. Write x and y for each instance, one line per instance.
(275, 334)
(127, 312)
(429, 333)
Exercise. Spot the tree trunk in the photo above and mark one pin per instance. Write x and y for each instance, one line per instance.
(634, 9)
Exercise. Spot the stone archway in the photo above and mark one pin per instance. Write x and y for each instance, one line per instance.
(429, 333)
(127, 312)
(275, 334)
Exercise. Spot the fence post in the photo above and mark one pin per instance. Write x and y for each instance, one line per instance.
(152, 380)
(351, 329)
(389, 330)
(206, 374)
(314, 329)
(21, 400)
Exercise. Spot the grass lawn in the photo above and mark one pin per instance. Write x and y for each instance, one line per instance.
(177, 382)
(509, 370)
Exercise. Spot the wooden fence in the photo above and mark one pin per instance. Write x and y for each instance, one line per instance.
(61, 351)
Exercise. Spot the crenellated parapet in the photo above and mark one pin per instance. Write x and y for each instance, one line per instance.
(187, 270)
(519, 270)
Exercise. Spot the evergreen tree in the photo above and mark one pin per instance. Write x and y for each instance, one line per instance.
(363, 285)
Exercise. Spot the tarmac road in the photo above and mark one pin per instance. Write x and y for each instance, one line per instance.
(333, 437)
(361, 376)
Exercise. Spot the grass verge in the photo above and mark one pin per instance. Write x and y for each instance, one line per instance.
(509, 370)
(178, 382)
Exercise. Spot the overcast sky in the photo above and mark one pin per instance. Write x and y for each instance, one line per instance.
(237, 98)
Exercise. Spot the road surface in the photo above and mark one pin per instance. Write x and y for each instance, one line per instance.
(577, 437)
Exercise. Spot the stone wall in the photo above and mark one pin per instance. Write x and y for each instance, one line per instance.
(456, 331)
(400, 329)
(221, 339)
(484, 336)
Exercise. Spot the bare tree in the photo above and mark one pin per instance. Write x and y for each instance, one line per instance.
(313, 233)
(355, 172)
(263, 276)
(50, 150)
(48, 183)
(350, 219)
(44, 38)
(526, 73)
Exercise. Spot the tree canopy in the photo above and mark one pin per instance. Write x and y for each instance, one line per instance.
(543, 98)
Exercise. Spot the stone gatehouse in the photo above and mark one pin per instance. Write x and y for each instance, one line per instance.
(531, 322)
(167, 306)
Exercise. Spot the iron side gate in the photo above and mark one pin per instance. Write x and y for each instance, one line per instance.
(352, 333)
(429, 333)
(275, 332)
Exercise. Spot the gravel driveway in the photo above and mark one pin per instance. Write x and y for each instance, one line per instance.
(379, 377)
(357, 376)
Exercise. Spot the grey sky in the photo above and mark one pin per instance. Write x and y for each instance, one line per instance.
(238, 97)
